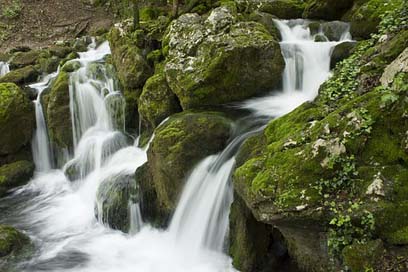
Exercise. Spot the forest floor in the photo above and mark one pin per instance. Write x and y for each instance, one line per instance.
(39, 23)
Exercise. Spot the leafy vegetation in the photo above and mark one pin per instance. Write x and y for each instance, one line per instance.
(12, 10)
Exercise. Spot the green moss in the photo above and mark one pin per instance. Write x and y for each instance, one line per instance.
(365, 16)
(11, 241)
(392, 222)
(15, 174)
(178, 145)
(21, 76)
(58, 112)
(220, 73)
(250, 239)
(128, 59)
(22, 59)
(284, 9)
(362, 257)
(114, 197)
(326, 9)
(157, 101)
(16, 119)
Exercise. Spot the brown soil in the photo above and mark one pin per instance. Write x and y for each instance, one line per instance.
(39, 23)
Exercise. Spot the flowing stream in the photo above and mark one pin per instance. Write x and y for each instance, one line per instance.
(59, 215)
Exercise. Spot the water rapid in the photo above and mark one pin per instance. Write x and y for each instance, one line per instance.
(59, 214)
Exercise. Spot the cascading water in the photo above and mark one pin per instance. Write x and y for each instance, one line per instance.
(42, 153)
(59, 215)
(307, 67)
(4, 68)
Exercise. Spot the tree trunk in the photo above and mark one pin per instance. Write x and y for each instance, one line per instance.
(176, 4)
(136, 16)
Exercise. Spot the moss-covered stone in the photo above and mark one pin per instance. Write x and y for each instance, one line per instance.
(224, 65)
(341, 52)
(283, 9)
(58, 112)
(16, 119)
(326, 9)
(113, 199)
(15, 174)
(157, 101)
(11, 241)
(71, 66)
(22, 59)
(131, 65)
(21, 76)
(178, 145)
(365, 16)
(363, 257)
(267, 20)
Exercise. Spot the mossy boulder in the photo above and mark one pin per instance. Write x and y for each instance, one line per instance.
(267, 20)
(221, 63)
(12, 241)
(21, 76)
(131, 64)
(283, 9)
(15, 174)
(58, 112)
(157, 102)
(327, 9)
(365, 16)
(341, 52)
(22, 59)
(346, 147)
(178, 145)
(113, 199)
(17, 120)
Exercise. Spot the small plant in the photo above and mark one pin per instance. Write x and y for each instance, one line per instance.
(344, 230)
(344, 172)
(12, 10)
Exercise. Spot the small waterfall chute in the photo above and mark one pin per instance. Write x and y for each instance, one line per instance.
(4, 68)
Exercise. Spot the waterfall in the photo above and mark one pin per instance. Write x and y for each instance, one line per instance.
(42, 153)
(4, 68)
(307, 67)
(60, 213)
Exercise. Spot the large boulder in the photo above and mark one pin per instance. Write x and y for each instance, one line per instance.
(331, 175)
(214, 61)
(15, 174)
(157, 102)
(17, 120)
(178, 145)
(12, 242)
(326, 9)
(58, 112)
